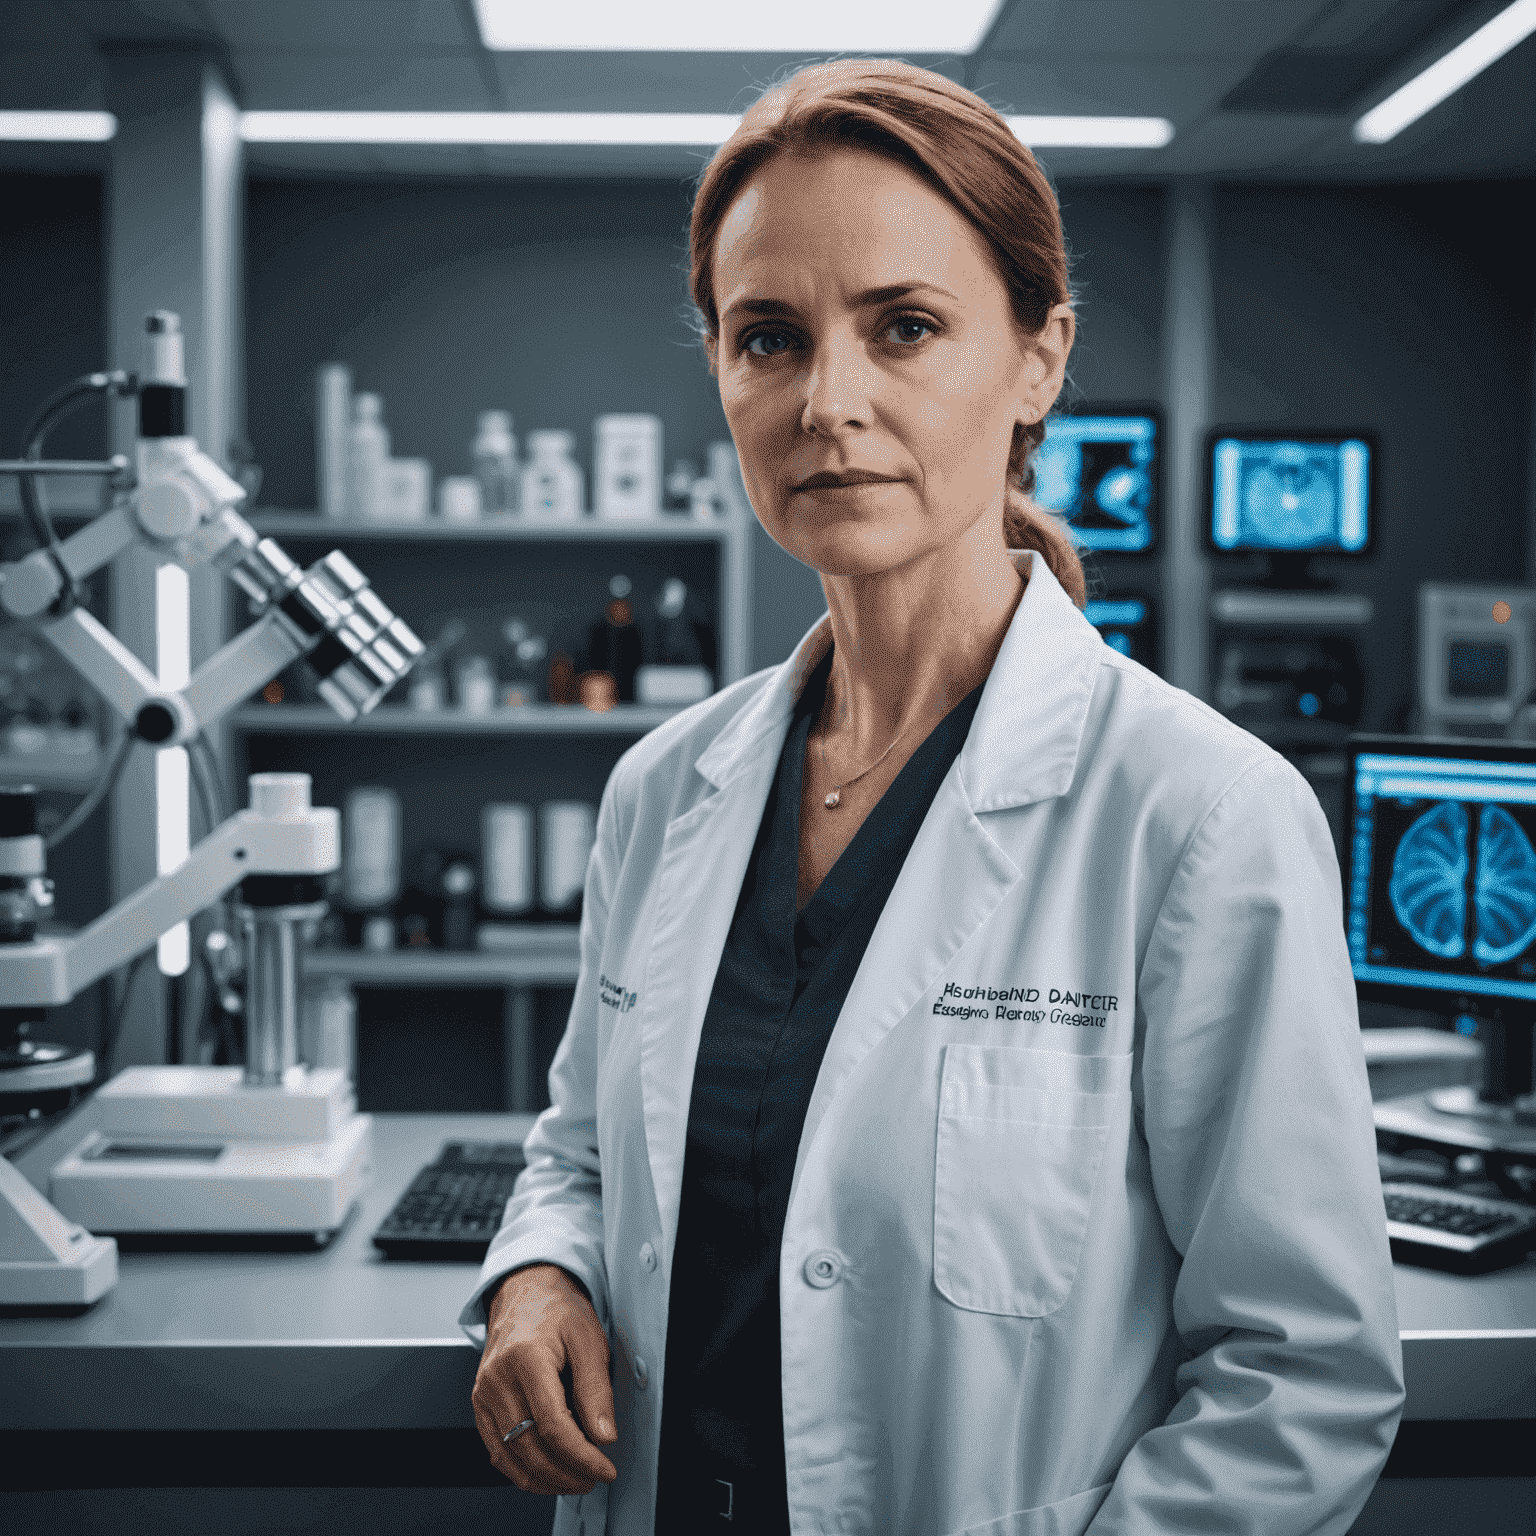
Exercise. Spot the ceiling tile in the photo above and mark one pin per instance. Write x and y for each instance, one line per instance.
(51, 80)
(651, 82)
(297, 26)
(362, 83)
(1157, 29)
(139, 21)
(1222, 144)
(38, 24)
(1110, 85)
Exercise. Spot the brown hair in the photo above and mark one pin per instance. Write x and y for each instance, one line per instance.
(968, 154)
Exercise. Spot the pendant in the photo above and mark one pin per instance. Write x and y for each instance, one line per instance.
(833, 800)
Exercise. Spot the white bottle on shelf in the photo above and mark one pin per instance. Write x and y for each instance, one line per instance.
(626, 470)
(368, 458)
(495, 455)
(553, 486)
(333, 421)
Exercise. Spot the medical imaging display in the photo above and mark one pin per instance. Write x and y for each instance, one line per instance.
(1099, 474)
(1125, 623)
(1283, 495)
(1443, 874)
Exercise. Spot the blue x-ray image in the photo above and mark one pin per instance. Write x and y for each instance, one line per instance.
(1429, 883)
(1305, 494)
(1505, 887)
(1441, 890)
(1429, 880)
(1099, 474)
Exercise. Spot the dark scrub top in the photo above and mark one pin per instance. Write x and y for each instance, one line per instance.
(777, 994)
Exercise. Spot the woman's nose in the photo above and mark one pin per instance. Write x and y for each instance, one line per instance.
(837, 388)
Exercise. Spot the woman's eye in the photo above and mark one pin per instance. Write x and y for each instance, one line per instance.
(751, 343)
(906, 326)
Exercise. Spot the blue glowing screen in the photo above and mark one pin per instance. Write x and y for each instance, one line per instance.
(1442, 884)
(1098, 473)
(1274, 495)
(1118, 619)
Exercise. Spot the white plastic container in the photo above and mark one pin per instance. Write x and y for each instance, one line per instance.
(567, 830)
(553, 486)
(474, 682)
(407, 491)
(495, 456)
(328, 1025)
(367, 458)
(507, 858)
(370, 869)
(627, 467)
(333, 419)
(458, 499)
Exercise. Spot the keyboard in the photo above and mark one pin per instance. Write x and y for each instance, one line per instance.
(453, 1207)
(1449, 1230)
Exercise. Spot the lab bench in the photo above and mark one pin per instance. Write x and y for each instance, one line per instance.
(338, 1367)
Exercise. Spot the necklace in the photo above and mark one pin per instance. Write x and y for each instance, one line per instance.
(835, 798)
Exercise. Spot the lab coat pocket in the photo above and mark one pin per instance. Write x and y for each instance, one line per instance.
(1021, 1134)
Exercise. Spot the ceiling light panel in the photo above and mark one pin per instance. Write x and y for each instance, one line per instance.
(1447, 75)
(57, 127)
(708, 26)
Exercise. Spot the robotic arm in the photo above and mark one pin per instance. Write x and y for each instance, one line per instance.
(184, 508)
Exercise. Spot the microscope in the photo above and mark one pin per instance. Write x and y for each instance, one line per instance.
(274, 1147)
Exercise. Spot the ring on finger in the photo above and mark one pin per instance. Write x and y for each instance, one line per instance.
(515, 1431)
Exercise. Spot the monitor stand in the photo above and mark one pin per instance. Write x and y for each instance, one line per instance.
(1497, 1121)
(1291, 573)
(1505, 1097)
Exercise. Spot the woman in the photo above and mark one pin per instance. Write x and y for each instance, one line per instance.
(961, 1125)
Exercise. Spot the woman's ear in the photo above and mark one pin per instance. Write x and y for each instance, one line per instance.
(1049, 350)
(712, 353)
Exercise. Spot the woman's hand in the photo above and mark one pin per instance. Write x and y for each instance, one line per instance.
(545, 1354)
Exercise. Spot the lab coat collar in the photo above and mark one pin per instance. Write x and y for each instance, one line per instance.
(1024, 741)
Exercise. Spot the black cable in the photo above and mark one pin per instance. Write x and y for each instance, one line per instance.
(207, 798)
(67, 398)
(118, 1016)
(53, 410)
(83, 812)
(205, 768)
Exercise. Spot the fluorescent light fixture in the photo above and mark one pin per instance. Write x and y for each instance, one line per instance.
(1446, 76)
(61, 127)
(487, 127)
(1092, 132)
(710, 26)
(605, 128)
(173, 805)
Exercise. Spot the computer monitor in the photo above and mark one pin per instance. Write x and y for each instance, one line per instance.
(1126, 625)
(1291, 495)
(1440, 897)
(1477, 656)
(1098, 469)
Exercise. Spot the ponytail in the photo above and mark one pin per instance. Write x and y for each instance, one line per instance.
(1027, 525)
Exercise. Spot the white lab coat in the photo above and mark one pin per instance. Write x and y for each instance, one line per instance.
(1086, 1231)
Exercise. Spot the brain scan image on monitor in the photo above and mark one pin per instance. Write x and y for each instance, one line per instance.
(1441, 894)
(1291, 496)
(1505, 888)
(1429, 880)
(1097, 473)
(1437, 884)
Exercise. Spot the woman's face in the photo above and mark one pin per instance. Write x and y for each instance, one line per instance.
(865, 331)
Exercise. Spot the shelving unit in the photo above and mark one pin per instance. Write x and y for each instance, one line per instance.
(545, 955)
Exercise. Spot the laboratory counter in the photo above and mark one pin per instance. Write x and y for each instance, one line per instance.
(340, 1367)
